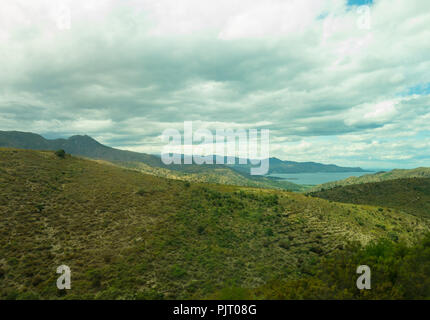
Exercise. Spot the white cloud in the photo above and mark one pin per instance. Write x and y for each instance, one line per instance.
(124, 71)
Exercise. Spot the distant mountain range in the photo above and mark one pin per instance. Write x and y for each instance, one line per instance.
(283, 166)
(88, 147)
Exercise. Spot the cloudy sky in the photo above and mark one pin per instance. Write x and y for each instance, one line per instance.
(335, 82)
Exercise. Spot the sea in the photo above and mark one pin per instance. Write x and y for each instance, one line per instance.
(317, 177)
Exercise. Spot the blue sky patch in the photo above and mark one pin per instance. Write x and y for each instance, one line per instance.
(359, 2)
(421, 89)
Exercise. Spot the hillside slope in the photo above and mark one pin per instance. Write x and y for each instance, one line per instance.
(129, 235)
(214, 174)
(376, 177)
(410, 195)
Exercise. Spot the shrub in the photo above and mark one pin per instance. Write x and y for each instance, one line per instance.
(316, 249)
(37, 280)
(177, 272)
(28, 296)
(285, 244)
(200, 229)
(269, 232)
(141, 192)
(95, 276)
(149, 294)
(380, 226)
(233, 293)
(12, 295)
(60, 153)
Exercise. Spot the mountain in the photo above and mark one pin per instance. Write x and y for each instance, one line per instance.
(409, 195)
(81, 145)
(127, 235)
(88, 147)
(281, 166)
(376, 177)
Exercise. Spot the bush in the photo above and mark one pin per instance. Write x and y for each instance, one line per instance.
(95, 276)
(177, 272)
(149, 294)
(200, 229)
(141, 192)
(37, 280)
(233, 293)
(380, 226)
(269, 232)
(28, 296)
(12, 295)
(285, 244)
(60, 153)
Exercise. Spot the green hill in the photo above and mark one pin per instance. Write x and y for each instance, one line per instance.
(128, 235)
(376, 177)
(410, 195)
(214, 174)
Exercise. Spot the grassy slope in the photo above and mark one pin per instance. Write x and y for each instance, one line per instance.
(213, 174)
(376, 177)
(129, 235)
(410, 195)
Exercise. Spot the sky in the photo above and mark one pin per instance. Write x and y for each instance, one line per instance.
(335, 81)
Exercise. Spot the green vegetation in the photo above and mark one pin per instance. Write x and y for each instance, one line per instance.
(398, 272)
(213, 174)
(60, 153)
(127, 235)
(376, 177)
(409, 195)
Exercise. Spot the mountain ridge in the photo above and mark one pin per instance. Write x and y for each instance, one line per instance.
(89, 147)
